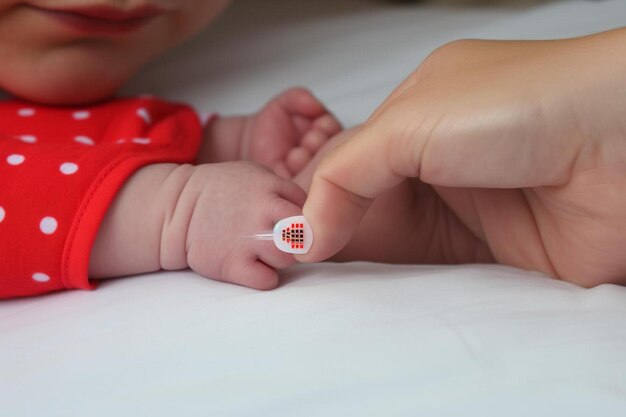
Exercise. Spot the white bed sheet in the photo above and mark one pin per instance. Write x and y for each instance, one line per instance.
(334, 340)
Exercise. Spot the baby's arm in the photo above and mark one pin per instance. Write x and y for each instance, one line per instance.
(129, 238)
(171, 217)
(66, 170)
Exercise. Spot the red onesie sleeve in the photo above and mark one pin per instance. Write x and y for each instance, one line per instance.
(60, 169)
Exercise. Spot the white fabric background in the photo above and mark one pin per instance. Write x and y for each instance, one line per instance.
(334, 340)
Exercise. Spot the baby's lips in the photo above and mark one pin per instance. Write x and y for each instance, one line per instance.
(293, 235)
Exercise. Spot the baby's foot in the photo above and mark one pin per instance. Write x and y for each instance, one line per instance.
(288, 132)
(411, 223)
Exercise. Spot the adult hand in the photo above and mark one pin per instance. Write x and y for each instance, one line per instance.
(525, 141)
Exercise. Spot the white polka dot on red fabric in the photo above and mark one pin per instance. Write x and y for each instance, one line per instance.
(68, 168)
(15, 159)
(2, 214)
(81, 115)
(26, 112)
(85, 140)
(28, 138)
(120, 141)
(144, 114)
(41, 277)
(142, 141)
(48, 225)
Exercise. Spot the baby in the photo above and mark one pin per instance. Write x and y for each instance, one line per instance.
(136, 185)
(118, 199)
(199, 213)
(128, 186)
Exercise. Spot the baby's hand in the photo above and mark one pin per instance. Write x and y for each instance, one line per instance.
(219, 206)
(283, 136)
(288, 132)
(171, 217)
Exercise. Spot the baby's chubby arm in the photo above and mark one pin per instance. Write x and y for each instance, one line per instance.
(129, 238)
(170, 216)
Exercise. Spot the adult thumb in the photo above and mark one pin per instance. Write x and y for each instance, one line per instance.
(344, 185)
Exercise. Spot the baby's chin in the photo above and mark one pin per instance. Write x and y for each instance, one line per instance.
(67, 83)
(64, 92)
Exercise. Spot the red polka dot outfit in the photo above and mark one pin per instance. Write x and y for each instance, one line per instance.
(60, 169)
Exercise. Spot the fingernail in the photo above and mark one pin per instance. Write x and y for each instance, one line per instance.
(293, 235)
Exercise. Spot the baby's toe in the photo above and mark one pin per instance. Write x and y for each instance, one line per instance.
(297, 159)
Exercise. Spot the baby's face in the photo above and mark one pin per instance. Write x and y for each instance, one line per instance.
(76, 51)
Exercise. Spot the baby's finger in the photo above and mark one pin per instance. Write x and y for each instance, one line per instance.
(267, 251)
(314, 140)
(282, 209)
(302, 124)
(328, 124)
(271, 256)
(253, 273)
(280, 168)
(302, 101)
(292, 193)
(297, 159)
